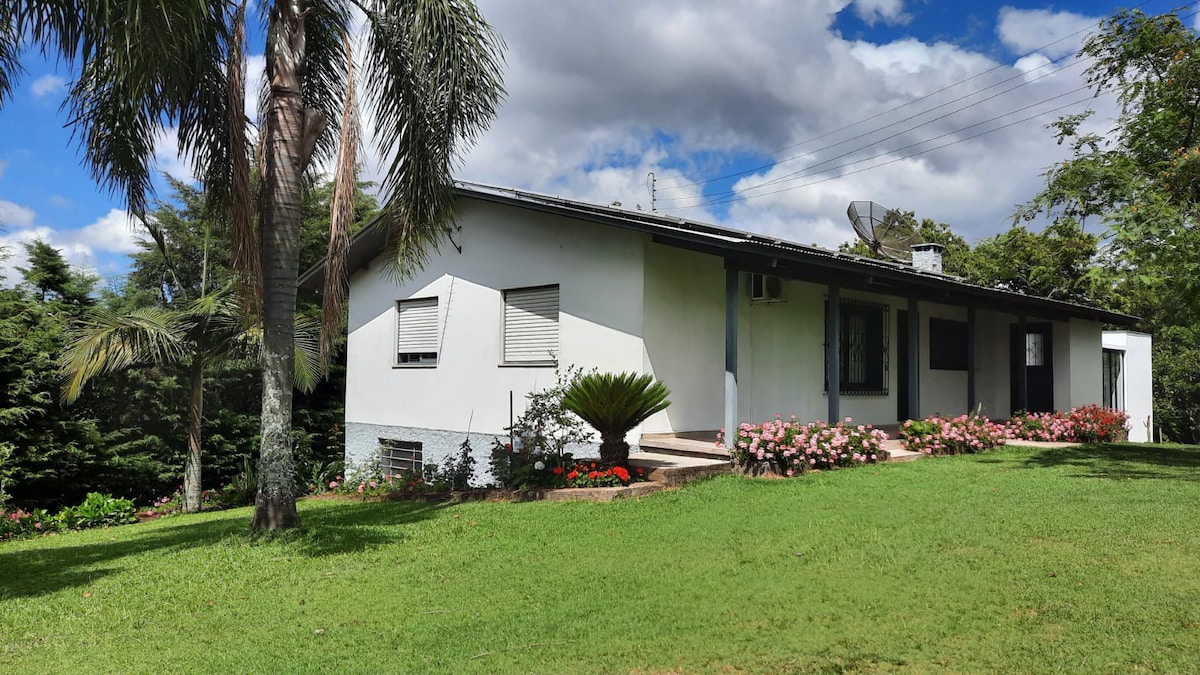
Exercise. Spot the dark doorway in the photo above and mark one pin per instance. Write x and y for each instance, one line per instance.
(1035, 352)
(901, 365)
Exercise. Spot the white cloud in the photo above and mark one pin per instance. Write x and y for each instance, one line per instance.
(166, 155)
(889, 11)
(14, 215)
(88, 247)
(1054, 34)
(601, 93)
(47, 85)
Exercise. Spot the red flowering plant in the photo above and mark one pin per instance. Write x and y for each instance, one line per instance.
(961, 435)
(593, 474)
(790, 448)
(1086, 424)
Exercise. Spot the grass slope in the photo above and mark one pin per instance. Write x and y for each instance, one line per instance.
(1022, 560)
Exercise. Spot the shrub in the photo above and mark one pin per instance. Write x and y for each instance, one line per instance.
(962, 435)
(591, 474)
(458, 469)
(97, 510)
(790, 448)
(613, 404)
(1086, 424)
(1097, 424)
(541, 435)
(17, 523)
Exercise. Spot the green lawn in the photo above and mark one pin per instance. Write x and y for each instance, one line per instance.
(1020, 560)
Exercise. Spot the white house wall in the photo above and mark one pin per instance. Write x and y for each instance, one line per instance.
(599, 273)
(1086, 366)
(685, 336)
(1136, 375)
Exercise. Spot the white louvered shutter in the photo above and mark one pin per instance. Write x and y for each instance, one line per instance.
(416, 327)
(531, 324)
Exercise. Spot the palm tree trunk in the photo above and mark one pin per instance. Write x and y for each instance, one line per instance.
(275, 502)
(614, 451)
(191, 465)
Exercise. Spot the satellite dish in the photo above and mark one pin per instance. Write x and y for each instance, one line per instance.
(882, 230)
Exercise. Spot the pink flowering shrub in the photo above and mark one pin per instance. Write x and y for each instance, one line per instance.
(1087, 424)
(17, 523)
(961, 435)
(790, 448)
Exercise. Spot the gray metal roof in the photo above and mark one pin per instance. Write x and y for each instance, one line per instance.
(755, 252)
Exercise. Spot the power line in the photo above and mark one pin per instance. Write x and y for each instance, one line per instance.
(741, 197)
(898, 133)
(903, 105)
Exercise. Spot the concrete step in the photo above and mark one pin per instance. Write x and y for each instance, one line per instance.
(673, 470)
(683, 447)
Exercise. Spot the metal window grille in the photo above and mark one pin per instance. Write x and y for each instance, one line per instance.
(396, 456)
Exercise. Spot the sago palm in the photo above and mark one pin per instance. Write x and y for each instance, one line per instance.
(613, 404)
(206, 332)
(430, 70)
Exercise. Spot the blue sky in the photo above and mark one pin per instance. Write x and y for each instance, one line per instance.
(601, 94)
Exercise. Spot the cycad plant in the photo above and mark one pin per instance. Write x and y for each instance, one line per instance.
(613, 404)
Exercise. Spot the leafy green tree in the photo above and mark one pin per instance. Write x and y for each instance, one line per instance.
(431, 72)
(49, 272)
(613, 404)
(1056, 263)
(1141, 183)
(208, 331)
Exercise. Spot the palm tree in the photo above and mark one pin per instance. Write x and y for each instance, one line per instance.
(431, 73)
(207, 331)
(613, 404)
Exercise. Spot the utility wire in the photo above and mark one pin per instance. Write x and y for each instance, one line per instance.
(870, 118)
(741, 197)
(901, 132)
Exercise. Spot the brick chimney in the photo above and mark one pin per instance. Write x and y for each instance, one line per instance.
(927, 257)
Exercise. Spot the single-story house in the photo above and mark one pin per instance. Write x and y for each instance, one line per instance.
(740, 326)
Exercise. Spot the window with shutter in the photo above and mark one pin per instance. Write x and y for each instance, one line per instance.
(417, 332)
(531, 325)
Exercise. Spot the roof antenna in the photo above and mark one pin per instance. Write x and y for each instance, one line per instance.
(651, 187)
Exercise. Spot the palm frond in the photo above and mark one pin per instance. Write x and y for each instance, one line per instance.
(433, 79)
(309, 366)
(213, 133)
(616, 403)
(10, 52)
(105, 342)
(341, 216)
(141, 62)
(324, 77)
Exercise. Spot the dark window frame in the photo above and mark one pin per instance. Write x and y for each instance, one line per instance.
(947, 344)
(872, 368)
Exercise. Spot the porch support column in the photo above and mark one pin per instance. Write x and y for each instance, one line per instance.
(914, 360)
(1022, 354)
(731, 349)
(833, 352)
(971, 399)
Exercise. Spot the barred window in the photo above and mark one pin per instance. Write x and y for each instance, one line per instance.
(864, 348)
(396, 455)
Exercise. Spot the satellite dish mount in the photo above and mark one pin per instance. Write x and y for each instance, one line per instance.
(882, 230)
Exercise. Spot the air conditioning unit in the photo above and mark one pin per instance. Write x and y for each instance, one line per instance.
(765, 288)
